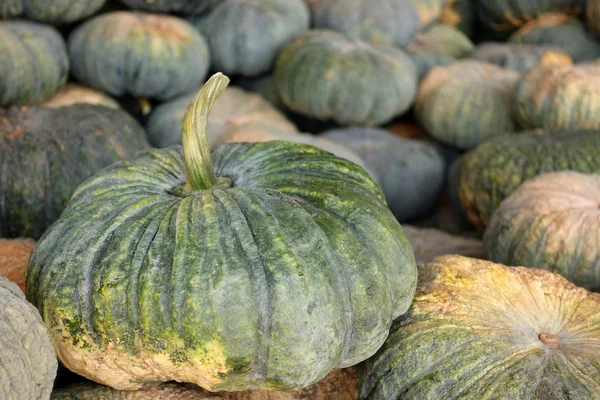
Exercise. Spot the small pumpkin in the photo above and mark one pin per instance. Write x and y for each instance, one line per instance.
(517, 56)
(46, 153)
(479, 330)
(244, 36)
(261, 266)
(144, 55)
(459, 14)
(551, 222)
(593, 15)
(185, 7)
(27, 358)
(493, 171)
(73, 93)
(467, 102)
(14, 259)
(411, 172)
(319, 74)
(35, 62)
(234, 109)
(50, 11)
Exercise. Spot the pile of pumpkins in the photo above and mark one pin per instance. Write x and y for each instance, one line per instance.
(168, 234)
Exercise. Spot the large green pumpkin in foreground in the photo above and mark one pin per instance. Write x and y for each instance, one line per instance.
(266, 267)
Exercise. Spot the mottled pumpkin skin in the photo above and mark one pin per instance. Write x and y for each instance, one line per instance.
(140, 54)
(320, 73)
(27, 360)
(493, 171)
(185, 7)
(459, 14)
(559, 96)
(551, 222)
(244, 36)
(466, 102)
(563, 31)
(169, 391)
(14, 259)
(35, 63)
(410, 172)
(50, 11)
(593, 15)
(483, 331)
(46, 153)
(234, 109)
(73, 93)
(517, 56)
(290, 267)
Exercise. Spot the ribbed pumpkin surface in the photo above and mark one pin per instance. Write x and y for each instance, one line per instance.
(319, 74)
(35, 62)
(14, 259)
(50, 11)
(72, 94)
(145, 55)
(185, 7)
(479, 330)
(517, 56)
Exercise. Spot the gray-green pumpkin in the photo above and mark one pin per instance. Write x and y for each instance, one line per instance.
(263, 265)
(520, 57)
(184, 7)
(467, 102)
(324, 75)
(50, 11)
(144, 55)
(46, 153)
(244, 36)
(34, 63)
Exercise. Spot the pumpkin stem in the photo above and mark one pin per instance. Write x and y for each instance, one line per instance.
(199, 173)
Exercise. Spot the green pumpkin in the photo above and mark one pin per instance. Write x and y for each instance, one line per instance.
(35, 63)
(50, 11)
(46, 153)
(459, 14)
(264, 268)
(559, 96)
(466, 102)
(438, 45)
(551, 222)
(27, 358)
(493, 171)
(144, 55)
(517, 56)
(320, 73)
(593, 15)
(562, 31)
(244, 36)
(234, 109)
(185, 7)
(73, 93)
(483, 331)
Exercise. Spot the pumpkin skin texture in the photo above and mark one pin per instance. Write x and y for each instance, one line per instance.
(50, 11)
(244, 36)
(31, 50)
(185, 7)
(466, 102)
(234, 109)
(479, 330)
(14, 259)
(551, 222)
(410, 172)
(72, 94)
(265, 268)
(493, 171)
(593, 15)
(55, 150)
(556, 96)
(144, 55)
(319, 74)
(27, 360)
(516, 56)
(169, 391)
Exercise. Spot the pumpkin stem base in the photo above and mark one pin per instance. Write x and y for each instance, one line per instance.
(549, 339)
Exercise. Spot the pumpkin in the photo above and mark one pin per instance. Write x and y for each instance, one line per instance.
(35, 62)
(73, 93)
(261, 266)
(186, 7)
(551, 222)
(167, 391)
(467, 102)
(438, 45)
(517, 56)
(493, 171)
(459, 14)
(46, 153)
(593, 15)
(14, 259)
(556, 96)
(50, 11)
(244, 36)
(410, 172)
(429, 11)
(234, 109)
(319, 74)
(144, 55)
(265, 87)
(479, 330)
(27, 358)
(429, 243)
(563, 31)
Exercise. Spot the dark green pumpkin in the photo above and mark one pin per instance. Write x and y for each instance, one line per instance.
(266, 267)
(551, 222)
(520, 57)
(34, 64)
(46, 153)
(143, 55)
(50, 11)
(493, 171)
(593, 15)
(321, 73)
(185, 7)
(244, 36)
(467, 102)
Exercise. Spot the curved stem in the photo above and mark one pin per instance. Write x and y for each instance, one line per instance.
(199, 173)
